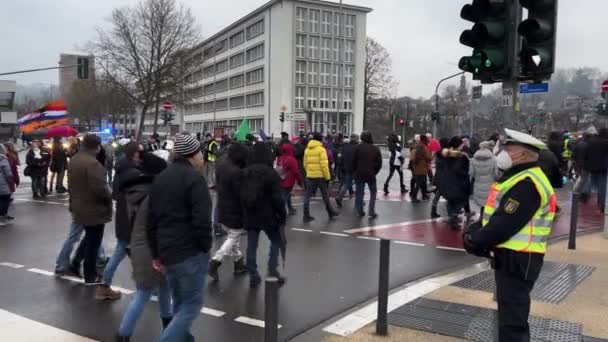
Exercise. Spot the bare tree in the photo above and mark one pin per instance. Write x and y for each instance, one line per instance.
(144, 51)
(379, 83)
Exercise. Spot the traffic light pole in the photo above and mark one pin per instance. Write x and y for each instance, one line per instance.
(514, 48)
(437, 100)
(41, 69)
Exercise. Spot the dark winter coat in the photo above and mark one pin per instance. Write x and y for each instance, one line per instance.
(556, 145)
(393, 148)
(348, 155)
(90, 197)
(367, 162)
(421, 159)
(261, 192)
(550, 166)
(59, 159)
(579, 154)
(596, 159)
(455, 182)
(228, 176)
(126, 171)
(179, 222)
(14, 163)
(290, 167)
(38, 167)
(6, 176)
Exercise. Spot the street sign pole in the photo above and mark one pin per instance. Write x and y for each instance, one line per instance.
(514, 48)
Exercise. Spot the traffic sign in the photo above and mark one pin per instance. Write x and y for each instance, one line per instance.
(302, 126)
(295, 116)
(531, 88)
(605, 86)
(168, 105)
(507, 97)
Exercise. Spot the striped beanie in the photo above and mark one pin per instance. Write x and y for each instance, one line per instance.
(186, 145)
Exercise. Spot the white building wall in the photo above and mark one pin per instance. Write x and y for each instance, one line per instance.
(360, 58)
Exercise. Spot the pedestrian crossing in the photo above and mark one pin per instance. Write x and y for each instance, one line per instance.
(18, 328)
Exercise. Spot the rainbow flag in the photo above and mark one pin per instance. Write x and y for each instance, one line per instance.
(54, 113)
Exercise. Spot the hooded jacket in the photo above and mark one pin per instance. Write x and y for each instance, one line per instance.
(228, 176)
(316, 162)
(6, 176)
(289, 164)
(455, 182)
(484, 172)
(38, 162)
(125, 171)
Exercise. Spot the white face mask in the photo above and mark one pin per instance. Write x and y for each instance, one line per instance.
(504, 161)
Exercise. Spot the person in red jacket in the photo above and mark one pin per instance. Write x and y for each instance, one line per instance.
(287, 168)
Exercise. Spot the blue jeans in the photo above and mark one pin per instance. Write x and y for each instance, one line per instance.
(346, 183)
(253, 237)
(312, 184)
(63, 259)
(598, 181)
(138, 303)
(187, 282)
(120, 252)
(360, 192)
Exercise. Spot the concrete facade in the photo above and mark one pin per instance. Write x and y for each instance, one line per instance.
(297, 56)
(67, 76)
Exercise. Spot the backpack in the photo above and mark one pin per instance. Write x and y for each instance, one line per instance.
(280, 170)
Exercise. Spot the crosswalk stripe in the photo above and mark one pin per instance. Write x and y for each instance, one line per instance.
(17, 328)
(39, 271)
(212, 312)
(11, 265)
(251, 321)
(334, 234)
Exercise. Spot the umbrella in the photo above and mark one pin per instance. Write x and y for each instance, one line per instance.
(61, 131)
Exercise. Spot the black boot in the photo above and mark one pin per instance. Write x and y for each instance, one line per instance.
(166, 322)
(403, 190)
(434, 213)
(122, 338)
(307, 217)
(386, 192)
(254, 280)
(239, 267)
(214, 265)
(331, 212)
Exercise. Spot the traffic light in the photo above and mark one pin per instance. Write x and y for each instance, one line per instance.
(282, 117)
(602, 109)
(489, 37)
(169, 117)
(435, 116)
(538, 46)
(83, 68)
(401, 122)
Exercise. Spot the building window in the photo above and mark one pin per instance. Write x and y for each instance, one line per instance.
(313, 96)
(255, 99)
(335, 75)
(221, 85)
(237, 81)
(301, 46)
(324, 98)
(313, 73)
(255, 53)
(208, 107)
(325, 74)
(208, 53)
(348, 76)
(349, 51)
(313, 47)
(237, 60)
(194, 93)
(222, 66)
(208, 89)
(209, 71)
(301, 19)
(197, 76)
(237, 39)
(221, 46)
(237, 102)
(314, 20)
(337, 49)
(255, 30)
(197, 59)
(348, 99)
(255, 76)
(221, 104)
(299, 98)
(300, 72)
(326, 22)
(335, 98)
(326, 49)
(350, 26)
(337, 24)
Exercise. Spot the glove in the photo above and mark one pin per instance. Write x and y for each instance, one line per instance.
(469, 246)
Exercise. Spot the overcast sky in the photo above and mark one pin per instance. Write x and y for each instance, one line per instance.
(421, 35)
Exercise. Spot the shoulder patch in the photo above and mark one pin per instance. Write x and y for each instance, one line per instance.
(511, 206)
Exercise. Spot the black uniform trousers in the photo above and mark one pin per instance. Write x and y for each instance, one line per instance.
(515, 276)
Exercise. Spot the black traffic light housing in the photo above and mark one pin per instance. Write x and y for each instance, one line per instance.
(489, 37)
(282, 117)
(537, 55)
(435, 116)
(602, 109)
(83, 68)
(167, 117)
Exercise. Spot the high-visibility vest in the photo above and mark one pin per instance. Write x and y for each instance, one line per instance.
(210, 155)
(534, 235)
(567, 153)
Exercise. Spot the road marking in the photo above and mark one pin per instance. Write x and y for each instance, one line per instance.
(43, 272)
(212, 312)
(334, 234)
(252, 321)
(74, 279)
(451, 249)
(122, 290)
(18, 328)
(36, 201)
(393, 225)
(302, 230)
(368, 238)
(11, 265)
(356, 320)
(409, 243)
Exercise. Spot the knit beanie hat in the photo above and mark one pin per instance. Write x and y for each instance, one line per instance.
(186, 145)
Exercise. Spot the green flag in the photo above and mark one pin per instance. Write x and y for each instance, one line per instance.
(243, 130)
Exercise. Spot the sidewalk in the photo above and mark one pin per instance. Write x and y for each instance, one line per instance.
(586, 305)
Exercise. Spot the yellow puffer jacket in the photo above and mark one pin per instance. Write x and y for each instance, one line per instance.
(315, 161)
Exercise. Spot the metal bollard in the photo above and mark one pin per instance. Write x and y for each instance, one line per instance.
(576, 198)
(382, 320)
(271, 310)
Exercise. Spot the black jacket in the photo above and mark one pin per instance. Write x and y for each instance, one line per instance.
(596, 159)
(228, 177)
(394, 147)
(126, 170)
(59, 159)
(348, 154)
(261, 197)
(38, 167)
(550, 166)
(455, 181)
(579, 154)
(179, 223)
(367, 162)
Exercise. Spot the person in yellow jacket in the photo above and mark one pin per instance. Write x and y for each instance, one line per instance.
(514, 230)
(316, 166)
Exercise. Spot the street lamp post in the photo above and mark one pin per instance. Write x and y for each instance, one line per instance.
(437, 100)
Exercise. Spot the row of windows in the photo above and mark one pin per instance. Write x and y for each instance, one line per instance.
(314, 47)
(236, 39)
(250, 77)
(255, 99)
(329, 75)
(229, 126)
(323, 98)
(252, 54)
(324, 22)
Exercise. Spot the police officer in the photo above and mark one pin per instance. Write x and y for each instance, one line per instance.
(514, 230)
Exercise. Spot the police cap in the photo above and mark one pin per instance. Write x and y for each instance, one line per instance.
(523, 139)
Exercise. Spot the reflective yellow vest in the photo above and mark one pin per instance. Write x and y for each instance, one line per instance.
(211, 156)
(533, 236)
(567, 153)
